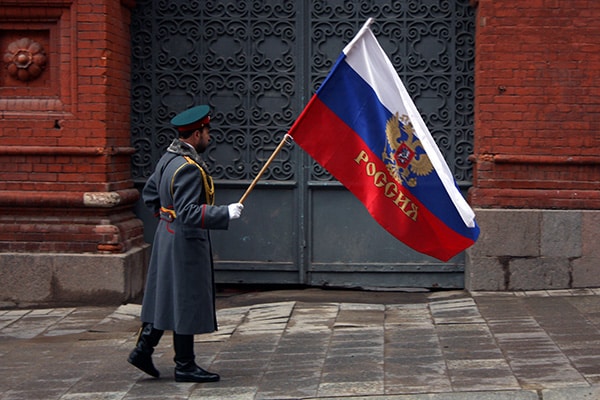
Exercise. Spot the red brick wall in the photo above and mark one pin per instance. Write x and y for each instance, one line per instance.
(537, 104)
(65, 180)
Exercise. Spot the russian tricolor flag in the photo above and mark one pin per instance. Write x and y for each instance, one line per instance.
(363, 127)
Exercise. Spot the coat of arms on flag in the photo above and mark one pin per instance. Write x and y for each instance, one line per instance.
(404, 154)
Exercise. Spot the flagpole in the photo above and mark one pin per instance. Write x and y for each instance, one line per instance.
(265, 166)
(358, 35)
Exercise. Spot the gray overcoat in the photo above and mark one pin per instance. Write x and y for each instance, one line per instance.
(180, 293)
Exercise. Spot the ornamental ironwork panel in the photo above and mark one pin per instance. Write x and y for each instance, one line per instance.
(431, 45)
(256, 63)
(240, 57)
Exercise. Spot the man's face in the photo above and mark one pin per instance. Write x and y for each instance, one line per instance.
(203, 139)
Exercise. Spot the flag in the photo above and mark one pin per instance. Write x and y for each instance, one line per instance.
(362, 126)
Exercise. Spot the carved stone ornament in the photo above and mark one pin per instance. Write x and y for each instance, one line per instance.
(25, 59)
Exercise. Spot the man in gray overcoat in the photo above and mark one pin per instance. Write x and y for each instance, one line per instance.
(180, 293)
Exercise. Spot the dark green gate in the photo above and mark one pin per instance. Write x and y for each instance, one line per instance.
(257, 63)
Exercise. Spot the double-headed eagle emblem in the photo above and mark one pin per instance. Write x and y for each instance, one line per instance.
(403, 154)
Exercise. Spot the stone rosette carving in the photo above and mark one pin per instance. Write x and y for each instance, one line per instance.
(25, 59)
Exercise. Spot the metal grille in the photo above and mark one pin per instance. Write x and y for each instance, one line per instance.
(431, 45)
(257, 63)
(240, 57)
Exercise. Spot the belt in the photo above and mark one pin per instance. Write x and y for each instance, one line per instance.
(168, 214)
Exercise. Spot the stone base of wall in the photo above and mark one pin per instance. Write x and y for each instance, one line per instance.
(528, 249)
(61, 279)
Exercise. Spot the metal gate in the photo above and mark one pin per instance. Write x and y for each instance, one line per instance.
(257, 63)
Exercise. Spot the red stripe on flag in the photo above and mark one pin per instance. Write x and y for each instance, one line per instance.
(334, 145)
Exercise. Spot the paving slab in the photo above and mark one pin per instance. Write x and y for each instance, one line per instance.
(511, 395)
(312, 344)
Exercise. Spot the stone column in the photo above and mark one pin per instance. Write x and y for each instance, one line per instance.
(68, 233)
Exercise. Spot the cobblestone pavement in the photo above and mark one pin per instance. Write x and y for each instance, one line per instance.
(303, 344)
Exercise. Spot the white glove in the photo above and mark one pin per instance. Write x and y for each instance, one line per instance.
(235, 210)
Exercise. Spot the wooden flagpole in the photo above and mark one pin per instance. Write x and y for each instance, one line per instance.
(264, 168)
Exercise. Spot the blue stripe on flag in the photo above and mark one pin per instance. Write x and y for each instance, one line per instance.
(355, 102)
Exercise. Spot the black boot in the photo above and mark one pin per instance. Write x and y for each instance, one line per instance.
(141, 356)
(186, 369)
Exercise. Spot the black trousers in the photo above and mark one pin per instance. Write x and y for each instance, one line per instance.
(183, 344)
(184, 347)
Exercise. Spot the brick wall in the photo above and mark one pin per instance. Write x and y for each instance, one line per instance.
(65, 180)
(537, 169)
(537, 104)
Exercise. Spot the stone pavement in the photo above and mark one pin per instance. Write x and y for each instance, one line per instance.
(323, 344)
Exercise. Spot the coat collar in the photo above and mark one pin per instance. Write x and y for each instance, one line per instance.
(184, 149)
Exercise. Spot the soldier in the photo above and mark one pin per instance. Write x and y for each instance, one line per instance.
(180, 293)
